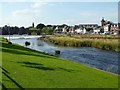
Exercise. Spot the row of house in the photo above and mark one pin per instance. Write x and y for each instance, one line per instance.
(107, 27)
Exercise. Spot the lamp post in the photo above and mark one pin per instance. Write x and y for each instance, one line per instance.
(9, 32)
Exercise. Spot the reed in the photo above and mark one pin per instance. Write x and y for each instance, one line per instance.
(105, 42)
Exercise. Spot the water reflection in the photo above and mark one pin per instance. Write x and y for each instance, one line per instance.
(105, 60)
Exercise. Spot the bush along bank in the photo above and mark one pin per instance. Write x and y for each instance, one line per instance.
(77, 41)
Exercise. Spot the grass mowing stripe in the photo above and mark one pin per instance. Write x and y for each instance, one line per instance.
(13, 81)
(31, 71)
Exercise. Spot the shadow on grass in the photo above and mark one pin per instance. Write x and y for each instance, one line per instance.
(5, 72)
(68, 70)
(42, 67)
(13, 46)
(3, 69)
(16, 49)
(13, 81)
(25, 53)
(3, 86)
(35, 65)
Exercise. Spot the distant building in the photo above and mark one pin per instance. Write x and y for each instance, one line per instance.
(58, 30)
(88, 25)
(109, 27)
(64, 30)
(88, 28)
(72, 30)
(79, 31)
(106, 27)
(97, 30)
(103, 22)
(114, 28)
(84, 31)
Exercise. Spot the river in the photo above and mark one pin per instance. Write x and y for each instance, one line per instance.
(101, 59)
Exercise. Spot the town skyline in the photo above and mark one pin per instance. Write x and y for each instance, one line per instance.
(57, 13)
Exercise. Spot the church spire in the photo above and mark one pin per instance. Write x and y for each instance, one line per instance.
(33, 24)
(102, 21)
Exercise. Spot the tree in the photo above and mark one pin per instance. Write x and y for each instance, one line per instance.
(50, 31)
(33, 33)
(22, 30)
(54, 26)
(46, 30)
(64, 25)
(76, 27)
(49, 25)
(40, 26)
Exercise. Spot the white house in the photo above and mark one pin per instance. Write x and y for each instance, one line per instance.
(71, 30)
(84, 31)
(64, 30)
(79, 31)
(106, 28)
(56, 28)
(96, 30)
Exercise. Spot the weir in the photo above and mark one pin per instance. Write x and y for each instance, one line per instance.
(21, 36)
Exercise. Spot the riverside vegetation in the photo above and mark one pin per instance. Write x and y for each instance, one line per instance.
(26, 68)
(105, 42)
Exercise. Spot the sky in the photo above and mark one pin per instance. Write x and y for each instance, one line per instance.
(54, 13)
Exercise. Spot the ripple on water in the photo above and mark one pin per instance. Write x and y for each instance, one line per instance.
(101, 59)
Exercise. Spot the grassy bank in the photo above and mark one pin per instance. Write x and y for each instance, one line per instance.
(25, 68)
(105, 42)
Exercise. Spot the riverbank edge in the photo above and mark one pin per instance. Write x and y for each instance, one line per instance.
(62, 58)
(85, 43)
(99, 71)
(74, 62)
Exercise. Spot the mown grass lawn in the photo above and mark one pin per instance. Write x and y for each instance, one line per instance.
(25, 68)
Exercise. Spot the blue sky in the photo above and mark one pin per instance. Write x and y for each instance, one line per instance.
(71, 13)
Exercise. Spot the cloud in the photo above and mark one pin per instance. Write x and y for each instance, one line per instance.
(26, 16)
(34, 9)
(91, 17)
(39, 4)
(26, 13)
(32, 13)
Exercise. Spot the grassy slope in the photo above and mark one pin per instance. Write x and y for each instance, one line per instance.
(25, 68)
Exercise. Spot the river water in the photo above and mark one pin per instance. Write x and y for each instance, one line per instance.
(101, 59)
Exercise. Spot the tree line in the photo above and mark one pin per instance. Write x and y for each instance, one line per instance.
(39, 29)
